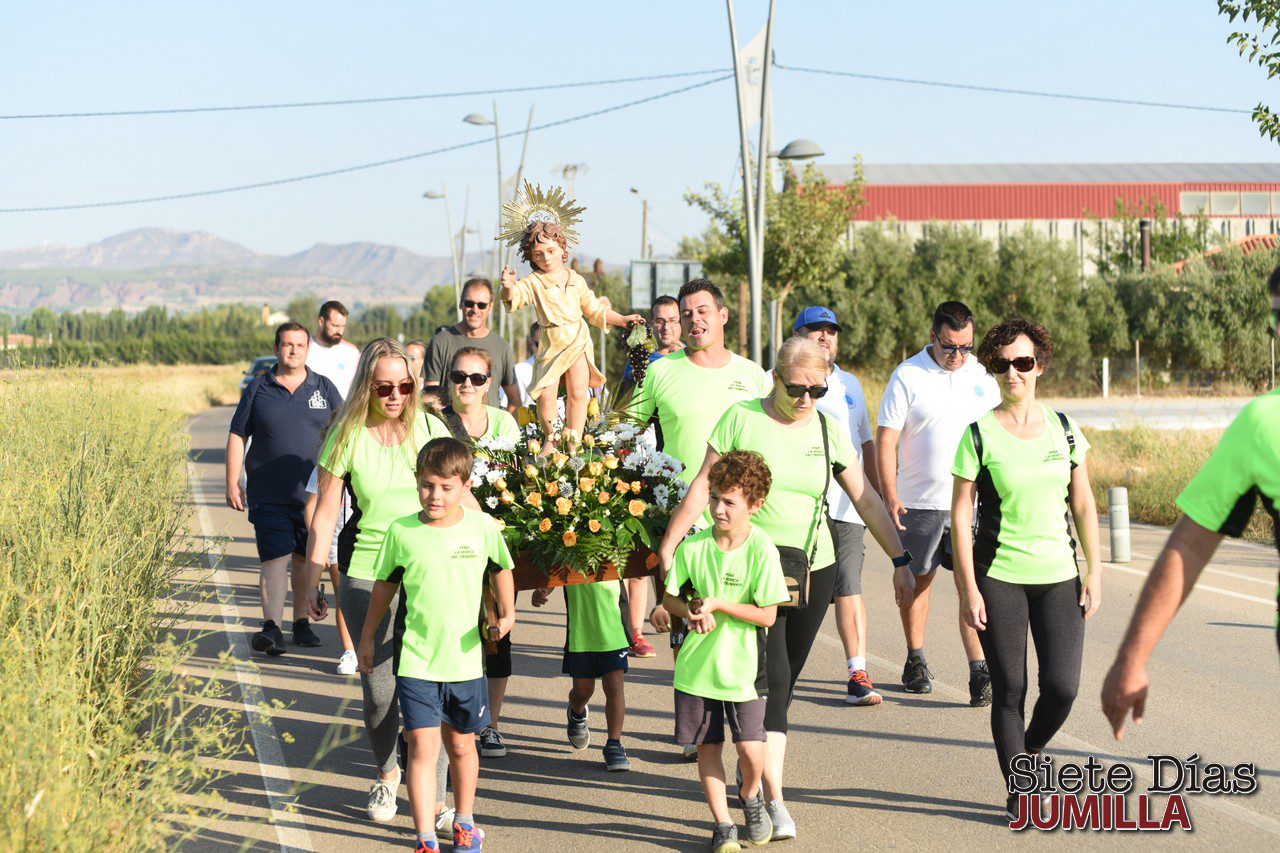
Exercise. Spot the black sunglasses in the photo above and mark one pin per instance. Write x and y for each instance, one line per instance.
(405, 388)
(1022, 364)
(798, 391)
(471, 303)
(956, 349)
(457, 377)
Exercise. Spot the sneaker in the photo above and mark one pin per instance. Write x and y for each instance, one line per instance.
(690, 752)
(467, 837)
(724, 839)
(491, 745)
(579, 733)
(783, 826)
(916, 677)
(269, 640)
(615, 757)
(759, 826)
(444, 820)
(382, 800)
(427, 847)
(1011, 808)
(348, 664)
(860, 690)
(641, 648)
(980, 686)
(303, 635)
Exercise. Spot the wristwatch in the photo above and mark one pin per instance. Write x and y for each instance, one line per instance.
(903, 561)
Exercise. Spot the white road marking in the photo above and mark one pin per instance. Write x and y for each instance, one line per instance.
(1270, 602)
(1223, 572)
(291, 833)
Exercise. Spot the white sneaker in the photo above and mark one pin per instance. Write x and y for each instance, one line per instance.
(348, 664)
(690, 752)
(444, 821)
(382, 800)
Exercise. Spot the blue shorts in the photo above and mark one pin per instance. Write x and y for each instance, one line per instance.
(464, 705)
(279, 529)
(593, 664)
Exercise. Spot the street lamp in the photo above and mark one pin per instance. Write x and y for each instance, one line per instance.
(799, 149)
(453, 247)
(645, 252)
(483, 121)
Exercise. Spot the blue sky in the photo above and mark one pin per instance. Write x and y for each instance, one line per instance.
(64, 56)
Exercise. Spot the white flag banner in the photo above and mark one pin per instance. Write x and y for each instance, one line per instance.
(750, 78)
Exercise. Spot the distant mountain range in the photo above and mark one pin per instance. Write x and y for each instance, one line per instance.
(186, 270)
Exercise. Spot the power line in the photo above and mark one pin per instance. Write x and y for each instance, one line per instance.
(364, 166)
(1002, 90)
(354, 101)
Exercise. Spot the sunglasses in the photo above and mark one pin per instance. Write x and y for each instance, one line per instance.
(405, 388)
(1022, 364)
(950, 349)
(798, 391)
(471, 303)
(457, 377)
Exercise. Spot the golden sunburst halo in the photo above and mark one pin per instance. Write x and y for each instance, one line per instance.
(532, 204)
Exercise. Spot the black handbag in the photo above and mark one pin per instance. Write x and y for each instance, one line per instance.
(796, 564)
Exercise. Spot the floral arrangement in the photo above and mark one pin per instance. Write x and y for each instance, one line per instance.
(590, 502)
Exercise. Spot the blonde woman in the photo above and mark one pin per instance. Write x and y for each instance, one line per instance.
(803, 454)
(372, 445)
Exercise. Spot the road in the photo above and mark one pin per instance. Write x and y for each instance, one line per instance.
(914, 772)
(1155, 412)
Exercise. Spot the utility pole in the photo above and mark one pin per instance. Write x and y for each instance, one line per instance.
(748, 200)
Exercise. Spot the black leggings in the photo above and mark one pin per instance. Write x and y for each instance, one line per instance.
(1053, 613)
(787, 648)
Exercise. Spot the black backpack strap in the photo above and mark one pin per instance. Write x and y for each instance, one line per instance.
(1069, 433)
(822, 509)
(453, 421)
(977, 441)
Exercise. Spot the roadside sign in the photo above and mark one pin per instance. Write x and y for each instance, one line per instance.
(651, 278)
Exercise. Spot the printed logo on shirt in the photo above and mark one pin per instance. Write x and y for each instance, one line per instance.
(814, 450)
(464, 552)
(738, 385)
(731, 578)
(317, 401)
(979, 391)
(1053, 456)
(848, 400)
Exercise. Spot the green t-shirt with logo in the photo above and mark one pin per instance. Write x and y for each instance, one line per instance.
(383, 483)
(1023, 504)
(443, 570)
(689, 400)
(792, 514)
(1244, 468)
(728, 663)
(595, 619)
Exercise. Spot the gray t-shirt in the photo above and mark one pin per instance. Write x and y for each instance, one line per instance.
(448, 341)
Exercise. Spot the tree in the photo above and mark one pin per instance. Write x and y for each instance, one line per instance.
(1118, 239)
(1262, 46)
(304, 309)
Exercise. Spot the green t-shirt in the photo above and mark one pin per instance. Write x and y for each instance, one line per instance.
(501, 425)
(792, 513)
(1023, 505)
(383, 483)
(1244, 467)
(595, 619)
(689, 400)
(443, 570)
(728, 663)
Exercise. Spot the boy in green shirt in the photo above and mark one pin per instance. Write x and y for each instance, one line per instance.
(727, 581)
(444, 555)
(595, 649)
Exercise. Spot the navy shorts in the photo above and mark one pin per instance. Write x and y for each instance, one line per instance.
(279, 529)
(593, 664)
(464, 705)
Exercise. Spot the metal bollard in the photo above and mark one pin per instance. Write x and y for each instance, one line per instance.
(1118, 498)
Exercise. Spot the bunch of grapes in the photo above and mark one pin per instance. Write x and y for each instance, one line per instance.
(639, 347)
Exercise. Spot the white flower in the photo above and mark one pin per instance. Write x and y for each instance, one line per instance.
(479, 469)
(661, 493)
(577, 463)
(491, 502)
(502, 444)
(682, 488)
(492, 477)
(607, 437)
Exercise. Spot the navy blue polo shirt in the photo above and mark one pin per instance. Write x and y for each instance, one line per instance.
(285, 430)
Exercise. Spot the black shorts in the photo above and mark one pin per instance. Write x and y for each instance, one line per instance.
(498, 664)
(593, 664)
(464, 705)
(280, 530)
(700, 720)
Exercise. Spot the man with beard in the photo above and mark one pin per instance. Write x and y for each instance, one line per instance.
(329, 354)
(473, 331)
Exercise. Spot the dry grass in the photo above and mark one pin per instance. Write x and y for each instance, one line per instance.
(185, 388)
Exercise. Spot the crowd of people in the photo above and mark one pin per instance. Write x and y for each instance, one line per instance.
(358, 463)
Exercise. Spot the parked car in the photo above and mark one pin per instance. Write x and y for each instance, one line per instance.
(260, 365)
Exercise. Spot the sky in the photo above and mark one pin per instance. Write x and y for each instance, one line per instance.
(91, 55)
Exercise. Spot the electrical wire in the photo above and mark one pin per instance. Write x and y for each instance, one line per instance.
(544, 87)
(1002, 90)
(365, 166)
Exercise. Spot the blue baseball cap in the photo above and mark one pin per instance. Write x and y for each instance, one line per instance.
(816, 315)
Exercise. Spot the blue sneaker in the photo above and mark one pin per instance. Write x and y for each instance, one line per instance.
(467, 837)
(427, 847)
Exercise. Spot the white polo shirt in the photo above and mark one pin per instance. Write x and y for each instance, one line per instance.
(336, 363)
(932, 407)
(845, 406)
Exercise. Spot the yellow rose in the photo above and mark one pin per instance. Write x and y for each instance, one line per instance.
(544, 525)
(553, 488)
(534, 499)
(500, 484)
(586, 484)
(535, 446)
(571, 437)
(637, 507)
(506, 497)
(569, 538)
(502, 525)
(559, 459)
(525, 416)
(622, 486)
(595, 469)
(594, 525)
(637, 486)
(603, 496)
(611, 462)
(593, 407)
(563, 505)
(531, 471)
(589, 440)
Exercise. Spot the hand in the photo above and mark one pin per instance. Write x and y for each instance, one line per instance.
(541, 597)
(505, 624)
(973, 609)
(904, 586)
(660, 619)
(508, 278)
(703, 622)
(1124, 690)
(896, 511)
(1091, 594)
(317, 606)
(235, 496)
(364, 657)
(632, 318)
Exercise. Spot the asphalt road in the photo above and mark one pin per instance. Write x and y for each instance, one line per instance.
(914, 772)
(1155, 412)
